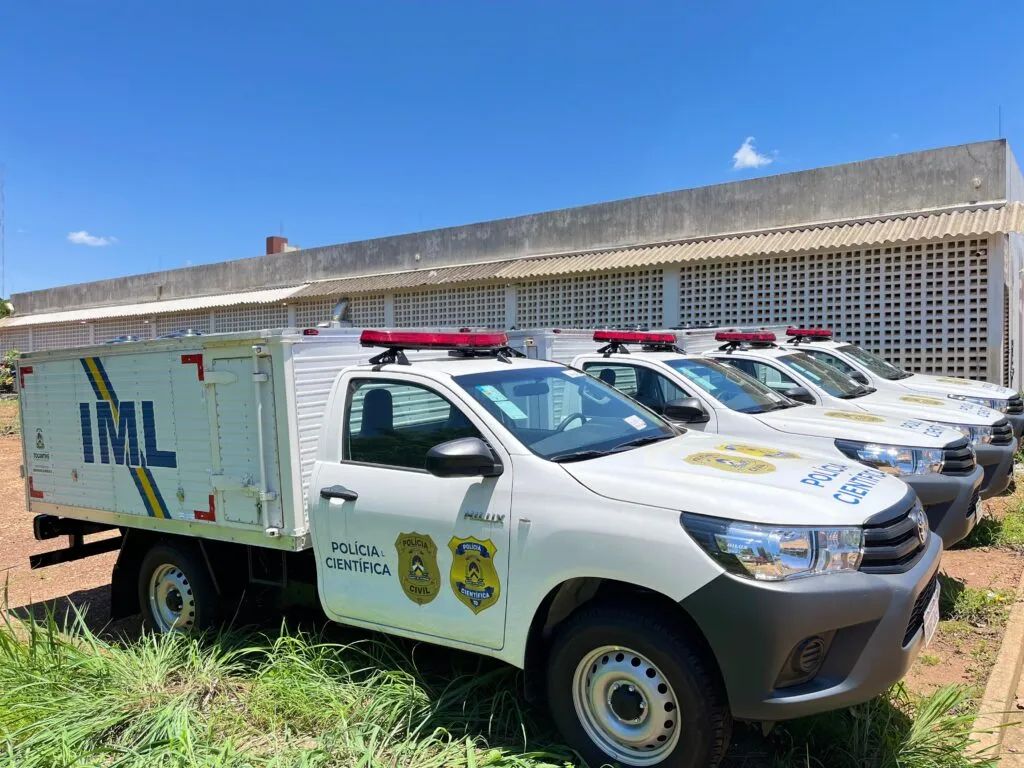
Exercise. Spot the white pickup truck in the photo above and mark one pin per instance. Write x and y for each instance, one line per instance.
(868, 368)
(787, 369)
(653, 582)
(704, 394)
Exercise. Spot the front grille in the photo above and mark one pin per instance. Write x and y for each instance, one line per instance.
(1002, 433)
(891, 544)
(958, 459)
(1016, 404)
(920, 606)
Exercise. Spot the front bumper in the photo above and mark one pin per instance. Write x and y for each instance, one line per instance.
(997, 463)
(950, 502)
(753, 627)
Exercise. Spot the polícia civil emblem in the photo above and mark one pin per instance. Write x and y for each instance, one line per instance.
(417, 567)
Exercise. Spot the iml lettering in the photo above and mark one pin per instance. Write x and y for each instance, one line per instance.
(120, 438)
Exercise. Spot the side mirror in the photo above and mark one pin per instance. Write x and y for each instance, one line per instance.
(465, 457)
(687, 409)
(800, 394)
(860, 378)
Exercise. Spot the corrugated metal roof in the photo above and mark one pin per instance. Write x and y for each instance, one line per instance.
(395, 281)
(928, 226)
(935, 226)
(266, 296)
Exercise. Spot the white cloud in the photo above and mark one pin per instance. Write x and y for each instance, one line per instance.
(748, 157)
(84, 238)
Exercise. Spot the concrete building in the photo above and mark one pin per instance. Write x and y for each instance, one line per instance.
(917, 256)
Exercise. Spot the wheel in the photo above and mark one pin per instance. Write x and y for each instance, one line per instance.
(629, 689)
(176, 593)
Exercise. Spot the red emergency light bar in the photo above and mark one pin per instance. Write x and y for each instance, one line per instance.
(634, 337)
(420, 340)
(809, 333)
(762, 336)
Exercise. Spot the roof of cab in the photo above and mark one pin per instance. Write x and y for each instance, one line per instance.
(460, 366)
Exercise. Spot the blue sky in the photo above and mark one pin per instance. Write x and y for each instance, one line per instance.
(142, 136)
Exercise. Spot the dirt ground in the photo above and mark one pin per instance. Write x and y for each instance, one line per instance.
(86, 582)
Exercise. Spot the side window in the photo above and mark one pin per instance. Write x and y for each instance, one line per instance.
(622, 377)
(830, 360)
(642, 384)
(764, 373)
(394, 423)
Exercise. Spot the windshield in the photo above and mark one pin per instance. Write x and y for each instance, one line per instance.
(874, 363)
(562, 414)
(729, 386)
(824, 376)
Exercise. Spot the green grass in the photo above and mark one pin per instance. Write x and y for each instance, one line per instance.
(971, 606)
(1007, 533)
(294, 700)
(10, 421)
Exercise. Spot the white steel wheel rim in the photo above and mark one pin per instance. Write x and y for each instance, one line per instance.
(171, 601)
(626, 705)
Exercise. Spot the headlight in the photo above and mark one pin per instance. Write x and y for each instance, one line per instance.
(989, 402)
(776, 553)
(976, 435)
(894, 459)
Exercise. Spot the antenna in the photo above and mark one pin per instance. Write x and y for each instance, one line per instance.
(1000, 121)
(3, 244)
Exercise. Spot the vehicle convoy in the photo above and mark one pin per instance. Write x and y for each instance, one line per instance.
(868, 368)
(700, 393)
(788, 370)
(654, 582)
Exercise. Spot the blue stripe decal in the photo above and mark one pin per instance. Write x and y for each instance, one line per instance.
(156, 492)
(106, 381)
(92, 381)
(142, 492)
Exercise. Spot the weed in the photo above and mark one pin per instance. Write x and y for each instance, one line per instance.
(294, 700)
(1007, 533)
(982, 607)
(929, 660)
(894, 731)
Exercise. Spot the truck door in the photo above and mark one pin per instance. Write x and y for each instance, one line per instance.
(408, 550)
(236, 423)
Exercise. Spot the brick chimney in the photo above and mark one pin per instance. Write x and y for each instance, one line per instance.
(276, 244)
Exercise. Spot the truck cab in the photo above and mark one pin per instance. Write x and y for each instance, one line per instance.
(523, 509)
(868, 368)
(781, 368)
(708, 395)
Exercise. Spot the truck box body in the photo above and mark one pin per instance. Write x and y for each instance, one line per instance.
(213, 436)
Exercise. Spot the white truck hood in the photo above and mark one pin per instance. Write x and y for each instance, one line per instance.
(947, 385)
(926, 407)
(742, 480)
(858, 425)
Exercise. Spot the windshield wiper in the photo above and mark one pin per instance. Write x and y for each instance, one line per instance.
(561, 458)
(636, 443)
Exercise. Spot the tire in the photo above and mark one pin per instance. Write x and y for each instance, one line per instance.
(174, 576)
(596, 657)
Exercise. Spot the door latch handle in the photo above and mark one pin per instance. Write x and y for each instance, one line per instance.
(338, 492)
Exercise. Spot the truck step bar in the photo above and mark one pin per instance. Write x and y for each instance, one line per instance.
(48, 527)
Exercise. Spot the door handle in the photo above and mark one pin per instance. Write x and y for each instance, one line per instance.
(338, 492)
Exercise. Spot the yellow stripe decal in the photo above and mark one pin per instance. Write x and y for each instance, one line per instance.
(101, 386)
(147, 487)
